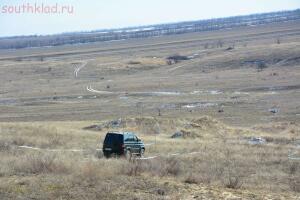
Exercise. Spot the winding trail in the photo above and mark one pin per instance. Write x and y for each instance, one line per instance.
(90, 89)
(78, 68)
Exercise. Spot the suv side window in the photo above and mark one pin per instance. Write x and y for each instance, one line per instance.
(125, 137)
(129, 138)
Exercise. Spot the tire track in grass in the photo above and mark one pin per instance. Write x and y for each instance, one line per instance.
(78, 67)
(291, 155)
(51, 150)
(82, 150)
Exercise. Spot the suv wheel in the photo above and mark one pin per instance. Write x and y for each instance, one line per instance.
(128, 154)
(142, 152)
(106, 155)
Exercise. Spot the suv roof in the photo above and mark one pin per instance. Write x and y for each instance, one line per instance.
(120, 133)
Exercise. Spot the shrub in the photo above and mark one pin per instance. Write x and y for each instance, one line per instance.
(261, 65)
(134, 168)
(192, 179)
(294, 183)
(233, 182)
(89, 173)
(4, 146)
(157, 167)
(278, 41)
(38, 163)
(173, 166)
(220, 43)
(177, 58)
(293, 167)
(134, 62)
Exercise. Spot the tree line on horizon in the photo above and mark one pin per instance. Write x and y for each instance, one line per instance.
(147, 31)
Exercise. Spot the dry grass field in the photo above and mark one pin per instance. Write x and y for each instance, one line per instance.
(235, 99)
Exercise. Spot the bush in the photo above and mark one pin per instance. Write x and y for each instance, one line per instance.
(220, 43)
(261, 65)
(233, 182)
(134, 62)
(39, 163)
(89, 173)
(177, 58)
(191, 179)
(4, 146)
(134, 168)
(294, 183)
(157, 167)
(173, 166)
(293, 167)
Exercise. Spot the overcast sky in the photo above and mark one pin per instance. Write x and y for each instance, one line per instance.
(99, 14)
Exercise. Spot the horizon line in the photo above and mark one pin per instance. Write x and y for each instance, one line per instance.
(139, 26)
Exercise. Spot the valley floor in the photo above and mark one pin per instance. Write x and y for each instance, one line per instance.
(233, 96)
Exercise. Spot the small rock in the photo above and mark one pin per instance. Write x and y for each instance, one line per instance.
(257, 140)
(161, 192)
(274, 110)
(178, 134)
(229, 48)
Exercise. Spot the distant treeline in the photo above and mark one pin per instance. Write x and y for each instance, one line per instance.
(147, 31)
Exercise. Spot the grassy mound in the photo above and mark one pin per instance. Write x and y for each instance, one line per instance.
(192, 128)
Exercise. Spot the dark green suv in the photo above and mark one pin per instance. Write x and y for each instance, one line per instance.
(122, 143)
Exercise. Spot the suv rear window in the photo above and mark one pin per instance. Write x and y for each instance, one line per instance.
(113, 138)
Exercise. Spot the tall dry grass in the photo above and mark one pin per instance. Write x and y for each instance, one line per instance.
(224, 159)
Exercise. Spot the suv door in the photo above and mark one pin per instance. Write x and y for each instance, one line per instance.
(129, 142)
(137, 146)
